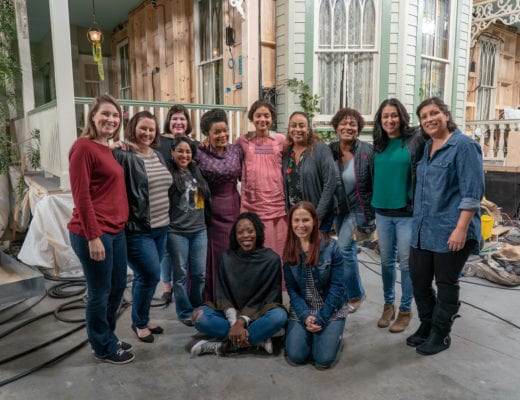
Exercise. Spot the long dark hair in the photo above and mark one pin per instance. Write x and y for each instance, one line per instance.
(452, 126)
(178, 183)
(311, 137)
(291, 251)
(259, 228)
(380, 137)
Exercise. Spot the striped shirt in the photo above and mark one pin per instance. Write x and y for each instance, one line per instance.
(159, 181)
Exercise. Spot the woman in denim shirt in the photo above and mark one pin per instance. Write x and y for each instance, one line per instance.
(446, 223)
(313, 271)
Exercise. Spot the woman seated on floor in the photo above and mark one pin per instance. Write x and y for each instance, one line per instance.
(248, 309)
(313, 271)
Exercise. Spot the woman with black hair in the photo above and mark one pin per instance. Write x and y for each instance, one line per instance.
(248, 309)
(398, 148)
(187, 236)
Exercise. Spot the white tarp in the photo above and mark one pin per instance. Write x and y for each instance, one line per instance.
(47, 242)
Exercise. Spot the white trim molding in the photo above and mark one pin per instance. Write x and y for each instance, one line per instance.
(488, 12)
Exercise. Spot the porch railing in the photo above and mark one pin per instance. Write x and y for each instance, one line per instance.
(44, 118)
(493, 136)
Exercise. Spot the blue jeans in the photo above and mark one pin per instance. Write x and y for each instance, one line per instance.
(166, 265)
(145, 251)
(214, 323)
(344, 227)
(394, 238)
(106, 282)
(323, 346)
(188, 249)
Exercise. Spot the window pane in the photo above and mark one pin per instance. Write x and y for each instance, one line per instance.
(325, 24)
(435, 28)
(369, 16)
(359, 81)
(216, 28)
(205, 30)
(433, 75)
(340, 24)
(331, 81)
(354, 18)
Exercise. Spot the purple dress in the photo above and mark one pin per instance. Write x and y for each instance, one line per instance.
(222, 173)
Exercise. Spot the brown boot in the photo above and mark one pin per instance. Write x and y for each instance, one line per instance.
(402, 321)
(387, 316)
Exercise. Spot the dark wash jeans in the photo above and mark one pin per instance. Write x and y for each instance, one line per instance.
(106, 282)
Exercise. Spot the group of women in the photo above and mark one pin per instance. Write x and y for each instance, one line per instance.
(173, 210)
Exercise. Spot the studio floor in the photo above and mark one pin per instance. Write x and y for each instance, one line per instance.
(482, 363)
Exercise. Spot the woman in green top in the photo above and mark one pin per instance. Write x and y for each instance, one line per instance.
(397, 150)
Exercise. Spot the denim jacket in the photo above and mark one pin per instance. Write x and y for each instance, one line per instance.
(328, 278)
(448, 182)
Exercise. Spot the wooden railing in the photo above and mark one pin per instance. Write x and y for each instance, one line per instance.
(45, 117)
(493, 137)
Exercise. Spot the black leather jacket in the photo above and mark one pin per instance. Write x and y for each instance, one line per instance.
(136, 181)
(364, 171)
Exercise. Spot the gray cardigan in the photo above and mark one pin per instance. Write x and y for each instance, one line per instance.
(317, 178)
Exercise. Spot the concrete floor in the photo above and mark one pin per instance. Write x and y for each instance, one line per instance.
(483, 362)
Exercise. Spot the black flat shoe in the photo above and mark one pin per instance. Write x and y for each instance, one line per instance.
(157, 330)
(147, 339)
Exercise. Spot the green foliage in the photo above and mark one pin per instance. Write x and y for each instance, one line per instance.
(308, 101)
(33, 154)
(328, 135)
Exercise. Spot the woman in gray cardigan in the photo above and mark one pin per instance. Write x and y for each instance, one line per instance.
(308, 170)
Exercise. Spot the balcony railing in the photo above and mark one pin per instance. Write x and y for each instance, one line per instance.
(493, 137)
(45, 119)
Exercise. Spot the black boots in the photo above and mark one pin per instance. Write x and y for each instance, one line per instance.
(439, 338)
(425, 306)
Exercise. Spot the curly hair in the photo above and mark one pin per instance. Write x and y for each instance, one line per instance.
(380, 137)
(259, 228)
(452, 126)
(311, 137)
(132, 126)
(211, 117)
(348, 112)
(177, 108)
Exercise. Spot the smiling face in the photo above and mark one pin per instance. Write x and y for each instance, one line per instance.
(178, 124)
(145, 132)
(262, 120)
(246, 234)
(347, 130)
(302, 224)
(182, 156)
(298, 129)
(106, 120)
(218, 136)
(390, 121)
(434, 121)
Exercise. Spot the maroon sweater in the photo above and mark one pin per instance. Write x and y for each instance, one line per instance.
(98, 188)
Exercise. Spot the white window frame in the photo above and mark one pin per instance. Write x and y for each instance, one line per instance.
(200, 64)
(376, 65)
(120, 88)
(86, 59)
(448, 89)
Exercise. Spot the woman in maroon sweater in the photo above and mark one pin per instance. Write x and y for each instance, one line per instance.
(97, 227)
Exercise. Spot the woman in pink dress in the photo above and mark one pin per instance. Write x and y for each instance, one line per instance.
(262, 182)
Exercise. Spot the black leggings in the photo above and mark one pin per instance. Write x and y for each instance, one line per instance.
(445, 267)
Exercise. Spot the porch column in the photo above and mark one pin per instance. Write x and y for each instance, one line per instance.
(62, 57)
(252, 49)
(24, 51)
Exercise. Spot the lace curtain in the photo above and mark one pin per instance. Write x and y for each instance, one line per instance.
(487, 78)
(345, 54)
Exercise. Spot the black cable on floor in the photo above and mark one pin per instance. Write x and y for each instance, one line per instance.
(58, 291)
(365, 264)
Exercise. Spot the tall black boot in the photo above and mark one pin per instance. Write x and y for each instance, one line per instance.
(425, 307)
(442, 320)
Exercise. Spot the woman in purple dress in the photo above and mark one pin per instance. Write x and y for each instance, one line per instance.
(221, 166)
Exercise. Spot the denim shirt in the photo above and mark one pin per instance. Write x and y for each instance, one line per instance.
(328, 278)
(448, 182)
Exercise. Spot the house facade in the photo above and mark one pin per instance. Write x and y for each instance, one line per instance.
(229, 53)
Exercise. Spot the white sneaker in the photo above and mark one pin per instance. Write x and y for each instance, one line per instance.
(205, 347)
(267, 345)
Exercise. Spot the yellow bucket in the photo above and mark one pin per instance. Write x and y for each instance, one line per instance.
(487, 226)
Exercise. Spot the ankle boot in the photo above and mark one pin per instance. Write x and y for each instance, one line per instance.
(421, 334)
(442, 320)
(402, 321)
(387, 316)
